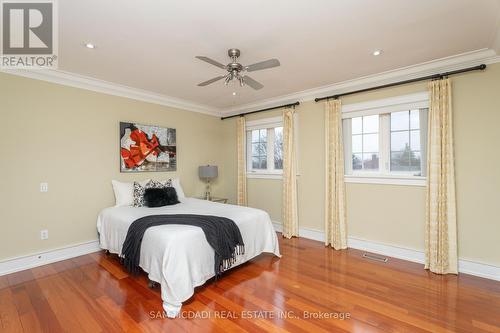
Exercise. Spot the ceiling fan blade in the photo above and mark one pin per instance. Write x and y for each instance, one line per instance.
(206, 83)
(252, 83)
(263, 65)
(212, 62)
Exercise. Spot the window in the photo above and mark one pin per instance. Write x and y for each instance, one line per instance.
(405, 142)
(365, 148)
(278, 148)
(265, 148)
(259, 149)
(385, 140)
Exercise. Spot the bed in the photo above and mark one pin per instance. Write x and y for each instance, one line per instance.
(178, 257)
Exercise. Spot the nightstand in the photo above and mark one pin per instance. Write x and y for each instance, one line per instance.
(215, 199)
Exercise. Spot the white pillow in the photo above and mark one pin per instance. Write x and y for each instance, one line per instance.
(176, 183)
(124, 192)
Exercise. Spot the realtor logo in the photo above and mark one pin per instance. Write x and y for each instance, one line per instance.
(29, 34)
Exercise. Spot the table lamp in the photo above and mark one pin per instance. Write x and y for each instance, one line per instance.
(207, 173)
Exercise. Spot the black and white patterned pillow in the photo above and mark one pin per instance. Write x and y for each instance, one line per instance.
(139, 190)
(167, 183)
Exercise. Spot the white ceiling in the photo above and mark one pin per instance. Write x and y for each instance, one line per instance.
(151, 44)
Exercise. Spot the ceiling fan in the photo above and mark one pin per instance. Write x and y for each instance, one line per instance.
(235, 70)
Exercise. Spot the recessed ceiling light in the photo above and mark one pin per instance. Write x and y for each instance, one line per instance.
(89, 45)
(234, 93)
(377, 52)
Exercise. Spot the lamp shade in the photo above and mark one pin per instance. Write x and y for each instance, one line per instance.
(208, 171)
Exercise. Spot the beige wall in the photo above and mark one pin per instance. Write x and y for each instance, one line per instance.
(266, 194)
(395, 215)
(69, 138)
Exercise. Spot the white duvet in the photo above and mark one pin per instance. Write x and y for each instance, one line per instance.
(179, 257)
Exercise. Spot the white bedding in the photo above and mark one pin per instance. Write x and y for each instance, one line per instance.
(179, 257)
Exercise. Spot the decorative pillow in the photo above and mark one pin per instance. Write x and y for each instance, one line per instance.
(167, 183)
(158, 197)
(124, 192)
(140, 189)
(175, 183)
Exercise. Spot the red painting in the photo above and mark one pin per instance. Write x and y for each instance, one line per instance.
(147, 148)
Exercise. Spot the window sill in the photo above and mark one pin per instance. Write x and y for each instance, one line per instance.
(386, 180)
(262, 175)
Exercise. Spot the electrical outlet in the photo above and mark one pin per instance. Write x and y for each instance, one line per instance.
(44, 187)
(44, 234)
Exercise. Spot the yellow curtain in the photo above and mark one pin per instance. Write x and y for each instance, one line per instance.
(335, 217)
(290, 215)
(441, 223)
(242, 170)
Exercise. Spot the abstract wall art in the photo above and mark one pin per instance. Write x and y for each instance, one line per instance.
(145, 148)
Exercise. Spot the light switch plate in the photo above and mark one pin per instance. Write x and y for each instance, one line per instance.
(44, 234)
(44, 187)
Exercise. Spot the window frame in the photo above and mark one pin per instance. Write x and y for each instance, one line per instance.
(383, 108)
(269, 124)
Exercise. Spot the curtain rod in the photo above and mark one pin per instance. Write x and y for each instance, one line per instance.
(424, 78)
(268, 109)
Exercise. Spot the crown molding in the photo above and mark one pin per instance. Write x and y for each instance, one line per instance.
(469, 59)
(88, 83)
(483, 56)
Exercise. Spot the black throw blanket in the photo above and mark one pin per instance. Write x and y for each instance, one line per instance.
(222, 234)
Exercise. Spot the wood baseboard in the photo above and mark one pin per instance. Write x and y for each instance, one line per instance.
(465, 266)
(21, 263)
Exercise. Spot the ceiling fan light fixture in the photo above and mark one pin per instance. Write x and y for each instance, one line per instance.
(235, 70)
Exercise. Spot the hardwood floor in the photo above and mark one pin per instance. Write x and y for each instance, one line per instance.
(93, 293)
